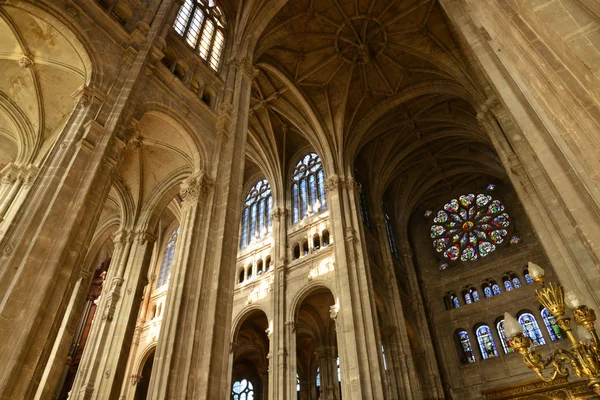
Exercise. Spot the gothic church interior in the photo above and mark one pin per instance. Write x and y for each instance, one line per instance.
(299, 199)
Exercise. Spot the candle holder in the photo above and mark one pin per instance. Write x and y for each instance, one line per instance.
(583, 356)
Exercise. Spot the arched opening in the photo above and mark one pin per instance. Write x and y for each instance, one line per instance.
(296, 251)
(259, 267)
(316, 347)
(316, 241)
(325, 237)
(143, 379)
(305, 248)
(250, 378)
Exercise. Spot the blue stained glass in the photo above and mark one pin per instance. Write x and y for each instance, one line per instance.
(475, 295)
(261, 216)
(508, 285)
(252, 222)
(469, 356)
(455, 301)
(468, 298)
(516, 283)
(531, 329)
(496, 289)
(487, 291)
(303, 198)
(244, 239)
(295, 208)
(312, 188)
(269, 211)
(486, 342)
(528, 279)
(257, 208)
(553, 329)
(321, 181)
(318, 377)
(169, 253)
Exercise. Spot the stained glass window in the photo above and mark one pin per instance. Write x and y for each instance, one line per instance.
(486, 342)
(508, 284)
(491, 187)
(167, 261)
(308, 187)
(202, 23)
(443, 266)
(516, 282)
(390, 234)
(528, 279)
(487, 291)
(339, 371)
(256, 216)
(384, 359)
(468, 357)
(496, 289)
(454, 300)
(242, 390)
(469, 227)
(515, 240)
(427, 213)
(531, 329)
(364, 211)
(468, 298)
(503, 338)
(553, 329)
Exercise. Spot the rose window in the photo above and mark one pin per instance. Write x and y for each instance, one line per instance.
(469, 227)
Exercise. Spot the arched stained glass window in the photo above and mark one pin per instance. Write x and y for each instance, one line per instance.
(467, 356)
(391, 237)
(496, 289)
(528, 279)
(308, 187)
(507, 284)
(454, 300)
(201, 24)
(470, 295)
(256, 216)
(167, 261)
(242, 390)
(468, 299)
(531, 329)
(469, 227)
(516, 282)
(553, 329)
(503, 338)
(486, 342)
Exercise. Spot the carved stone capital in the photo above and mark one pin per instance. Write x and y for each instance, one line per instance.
(143, 237)
(279, 213)
(245, 66)
(196, 187)
(333, 183)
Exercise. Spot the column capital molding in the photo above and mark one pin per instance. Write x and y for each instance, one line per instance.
(196, 188)
(244, 65)
(333, 183)
(143, 237)
(87, 96)
(279, 213)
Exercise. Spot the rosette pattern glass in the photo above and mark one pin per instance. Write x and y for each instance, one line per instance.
(469, 227)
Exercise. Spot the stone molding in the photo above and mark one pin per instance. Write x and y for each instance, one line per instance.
(245, 66)
(88, 95)
(279, 213)
(13, 172)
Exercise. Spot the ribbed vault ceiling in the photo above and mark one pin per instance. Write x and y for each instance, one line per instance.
(381, 85)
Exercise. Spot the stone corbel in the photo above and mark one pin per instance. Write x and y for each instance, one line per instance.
(88, 96)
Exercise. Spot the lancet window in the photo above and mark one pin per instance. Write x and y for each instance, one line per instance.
(308, 187)
(391, 237)
(553, 329)
(466, 350)
(531, 329)
(256, 216)
(470, 295)
(167, 261)
(490, 288)
(486, 342)
(201, 23)
(364, 210)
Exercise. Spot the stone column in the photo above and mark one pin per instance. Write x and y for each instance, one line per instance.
(103, 363)
(40, 257)
(280, 379)
(549, 120)
(192, 352)
(357, 317)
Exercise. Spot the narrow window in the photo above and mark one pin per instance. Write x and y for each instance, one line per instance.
(486, 342)
(466, 355)
(256, 219)
(390, 235)
(169, 253)
(531, 329)
(553, 329)
(505, 341)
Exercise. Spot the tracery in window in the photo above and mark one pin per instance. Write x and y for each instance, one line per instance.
(486, 342)
(390, 234)
(202, 23)
(242, 390)
(308, 187)
(467, 356)
(503, 338)
(553, 329)
(469, 227)
(531, 329)
(256, 216)
(167, 261)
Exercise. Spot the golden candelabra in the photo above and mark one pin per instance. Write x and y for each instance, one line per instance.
(584, 355)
